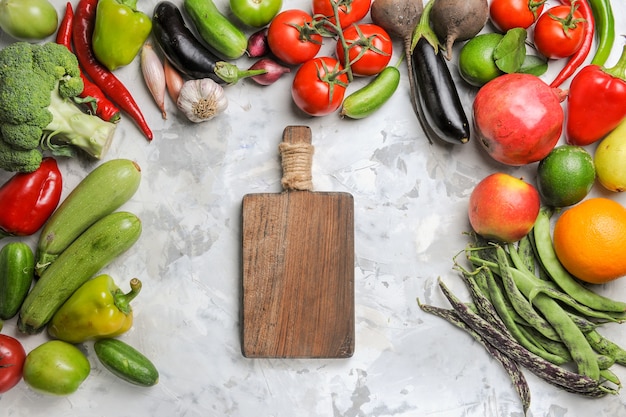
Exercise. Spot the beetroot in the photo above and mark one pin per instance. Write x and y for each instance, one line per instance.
(518, 118)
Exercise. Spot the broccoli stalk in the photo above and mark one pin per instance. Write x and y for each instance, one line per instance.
(70, 128)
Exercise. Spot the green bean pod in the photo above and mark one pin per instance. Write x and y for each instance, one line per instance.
(510, 365)
(498, 299)
(571, 381)
(373, 96)
(480, 296)
(554, 347)
(564, 326)
(522, 304)
(606, 347)
(605, 29)
(526, 253)
(585, 325)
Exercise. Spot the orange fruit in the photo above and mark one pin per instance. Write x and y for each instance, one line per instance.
(590, 240)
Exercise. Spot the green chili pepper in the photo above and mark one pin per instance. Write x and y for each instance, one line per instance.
(605, 29)
(97, 309)
(119, 32)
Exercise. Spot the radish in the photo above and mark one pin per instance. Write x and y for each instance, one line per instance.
(518, 118)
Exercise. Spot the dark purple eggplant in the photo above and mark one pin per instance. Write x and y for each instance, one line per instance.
(438, 105)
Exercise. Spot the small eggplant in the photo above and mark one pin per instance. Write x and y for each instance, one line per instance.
(438, 105)
(186, 53)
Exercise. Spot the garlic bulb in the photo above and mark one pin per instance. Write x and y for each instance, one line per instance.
(201, 100)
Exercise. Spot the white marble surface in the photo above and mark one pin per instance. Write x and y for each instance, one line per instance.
(410, 213)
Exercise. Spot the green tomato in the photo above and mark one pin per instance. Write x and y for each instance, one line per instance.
(255, 13)
(28, 20)
(56, 367)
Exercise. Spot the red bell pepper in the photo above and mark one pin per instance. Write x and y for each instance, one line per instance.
(596, 102)
(28, 199)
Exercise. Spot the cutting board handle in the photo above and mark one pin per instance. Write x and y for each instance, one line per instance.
(296, 154)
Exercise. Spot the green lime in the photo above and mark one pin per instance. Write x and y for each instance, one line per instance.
(565, 176)
(476, 63)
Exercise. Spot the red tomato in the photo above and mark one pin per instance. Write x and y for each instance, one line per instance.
(292, 38)
(509, 14)
(559, 32)
(12, 357)
(369, 48)
(350, 11)
(319, 86)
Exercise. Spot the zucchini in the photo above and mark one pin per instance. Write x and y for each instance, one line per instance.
(126, 362)
(95, 248)
(100, 193)
(215, 29)
(17, 271)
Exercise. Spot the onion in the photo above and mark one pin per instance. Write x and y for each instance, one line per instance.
(273, 71)
(257, 44)
(154, 76)
(173, 80)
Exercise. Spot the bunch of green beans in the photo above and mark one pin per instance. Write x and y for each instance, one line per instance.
(529, 312)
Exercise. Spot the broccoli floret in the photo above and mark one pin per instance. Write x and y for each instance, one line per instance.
(38, 84)
(23, 137)
(17, 160)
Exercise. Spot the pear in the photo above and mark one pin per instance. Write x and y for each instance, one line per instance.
(610, 159)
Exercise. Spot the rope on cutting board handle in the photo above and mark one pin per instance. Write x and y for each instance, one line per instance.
(296, 162)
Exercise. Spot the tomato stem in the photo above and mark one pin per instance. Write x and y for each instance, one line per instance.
(331, 77)
(366, 43)
(569, 22)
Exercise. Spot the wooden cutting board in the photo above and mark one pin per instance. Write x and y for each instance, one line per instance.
(298, 264)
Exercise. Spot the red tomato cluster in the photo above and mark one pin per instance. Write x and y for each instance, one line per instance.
(296, 37)
(558, 32)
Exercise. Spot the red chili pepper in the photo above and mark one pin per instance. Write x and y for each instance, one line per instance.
(93, 96)
(576, 60)
(84, 21)
(28, 199)
(596, 102)
(64, 33)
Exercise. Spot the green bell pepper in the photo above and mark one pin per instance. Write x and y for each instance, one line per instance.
(119, 32)
(97, 309)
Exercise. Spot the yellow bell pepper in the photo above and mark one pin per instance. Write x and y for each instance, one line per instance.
(96, 310)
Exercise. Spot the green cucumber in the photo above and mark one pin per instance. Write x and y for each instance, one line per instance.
(95, 248)
(370, 98)
(126, 362)
(220, 34)
(101, 192)
(17, 271)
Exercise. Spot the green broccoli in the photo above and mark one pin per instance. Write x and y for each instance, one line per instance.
(38, 84)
